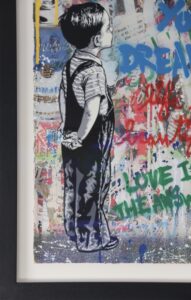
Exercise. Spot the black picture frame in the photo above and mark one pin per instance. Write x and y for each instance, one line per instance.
(9, 289)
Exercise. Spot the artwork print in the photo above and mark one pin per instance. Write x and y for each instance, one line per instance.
(112, 131)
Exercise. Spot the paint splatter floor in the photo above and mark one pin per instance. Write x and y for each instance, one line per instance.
(58, 249)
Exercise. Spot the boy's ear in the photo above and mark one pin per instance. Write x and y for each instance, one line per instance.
(96, 40)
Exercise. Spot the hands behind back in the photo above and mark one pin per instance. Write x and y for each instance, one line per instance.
(71, 141)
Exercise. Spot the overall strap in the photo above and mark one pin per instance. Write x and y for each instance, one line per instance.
(74, 111)
(86, 65)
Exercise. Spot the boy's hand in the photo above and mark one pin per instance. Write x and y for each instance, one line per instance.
(70, 135)
(71, 140)
(74, 145)
(61, 127)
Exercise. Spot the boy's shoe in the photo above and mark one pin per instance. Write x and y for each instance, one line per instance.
(112, 244)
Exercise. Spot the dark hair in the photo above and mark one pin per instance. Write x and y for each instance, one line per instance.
(80, 22)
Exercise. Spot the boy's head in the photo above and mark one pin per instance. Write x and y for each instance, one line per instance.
(87, 23)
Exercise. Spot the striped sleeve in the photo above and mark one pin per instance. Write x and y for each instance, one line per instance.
(63, 81)
(94, 83)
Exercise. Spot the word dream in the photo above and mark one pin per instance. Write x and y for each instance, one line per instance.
(141, 55)
(171, 198)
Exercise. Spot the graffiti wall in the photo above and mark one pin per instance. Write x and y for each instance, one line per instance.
(148, 69)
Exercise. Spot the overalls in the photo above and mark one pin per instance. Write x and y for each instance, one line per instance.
(87, 172)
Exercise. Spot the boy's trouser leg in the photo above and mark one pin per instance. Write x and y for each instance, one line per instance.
(106, 179)
(107, 131)
(91, 226)
(69, 195)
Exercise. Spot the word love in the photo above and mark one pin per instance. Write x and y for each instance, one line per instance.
(168, 200)
(181, 18)
(161, 176)
(141, 56)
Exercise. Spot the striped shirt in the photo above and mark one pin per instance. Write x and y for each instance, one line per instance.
(89, 83)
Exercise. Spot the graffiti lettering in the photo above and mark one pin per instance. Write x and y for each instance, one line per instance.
(171, 199)
(46, 90)
(161, 176)
(183, 125)
(163, 95)
(182, 19)
(139, 56)
(184, 167)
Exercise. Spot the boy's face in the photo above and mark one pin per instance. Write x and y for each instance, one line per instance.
(106, 32)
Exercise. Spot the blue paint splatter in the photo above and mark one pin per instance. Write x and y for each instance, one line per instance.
(142, 251)
(175, 145)
(100, 257)
(155, 156)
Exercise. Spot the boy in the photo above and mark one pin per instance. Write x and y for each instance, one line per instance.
(87, 125)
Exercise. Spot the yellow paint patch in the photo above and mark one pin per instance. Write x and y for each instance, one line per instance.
(56, 13)
(37, 29)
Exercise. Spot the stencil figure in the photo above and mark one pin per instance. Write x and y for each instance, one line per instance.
(87, 125)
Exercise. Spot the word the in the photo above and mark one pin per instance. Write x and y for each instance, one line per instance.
(170, 199)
